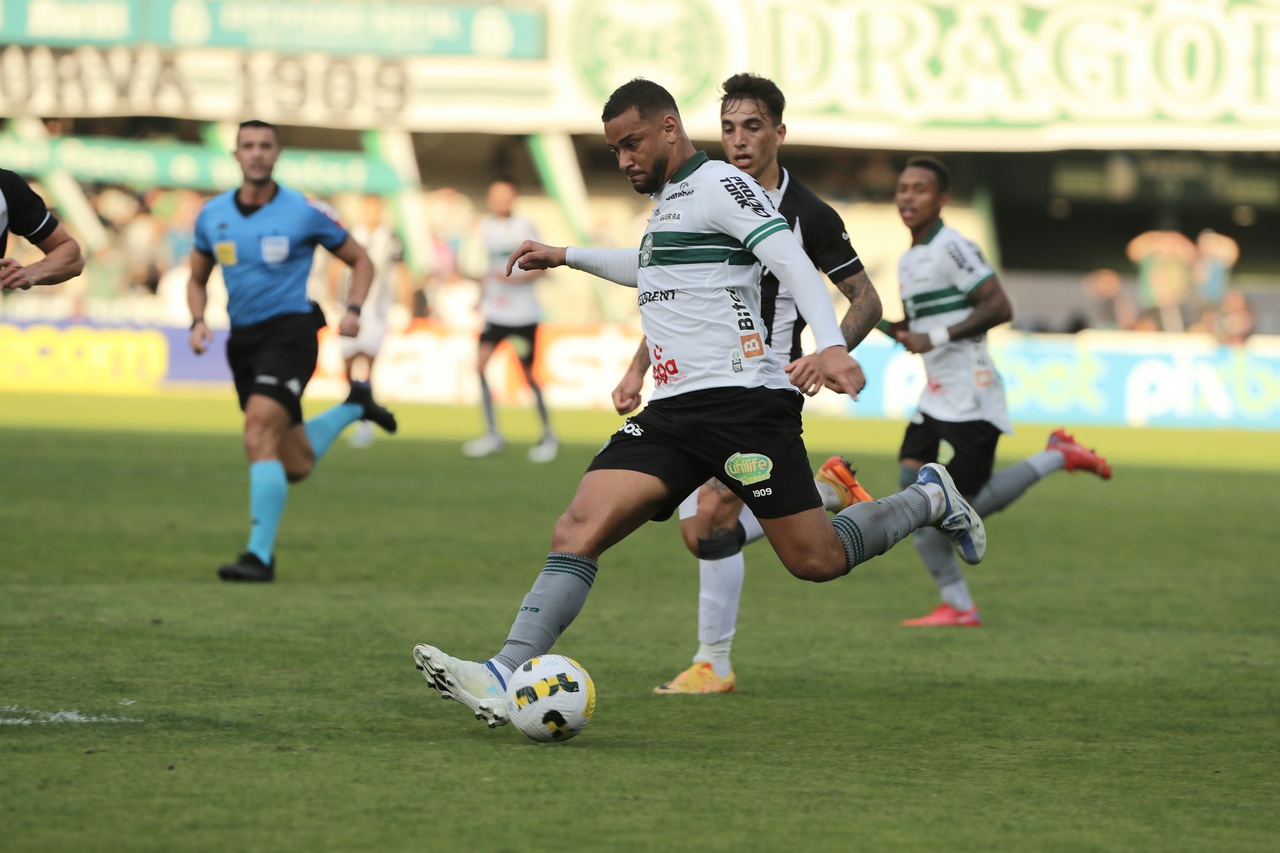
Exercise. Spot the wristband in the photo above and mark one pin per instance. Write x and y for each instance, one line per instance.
(353, 308)
(196, 322)
(939, 336)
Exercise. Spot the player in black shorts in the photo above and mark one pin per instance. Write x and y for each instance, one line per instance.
(24, 213)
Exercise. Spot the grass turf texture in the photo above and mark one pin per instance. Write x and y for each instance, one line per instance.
(1122, 696)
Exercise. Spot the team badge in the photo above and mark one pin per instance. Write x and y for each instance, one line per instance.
(748, 468)
(646, 250)
(275, 249)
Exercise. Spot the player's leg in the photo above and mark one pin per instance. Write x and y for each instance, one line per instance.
(526, 341)
(266, 424)
(491, 442)
(362, 433)
(712, 528)
(608, 506)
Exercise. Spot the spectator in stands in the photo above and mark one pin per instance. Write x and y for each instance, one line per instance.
(1110, 305)
(1216, 254)
(1165, 260)
(1232, 321)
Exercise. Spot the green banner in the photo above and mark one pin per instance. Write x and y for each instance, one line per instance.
(389, 28)
(151, 164)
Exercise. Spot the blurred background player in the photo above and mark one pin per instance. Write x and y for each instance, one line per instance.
(952, 297)
(264, 235)
(24, 213)
(390, 277)
(711, 415)
(714, 521)
(509, 305)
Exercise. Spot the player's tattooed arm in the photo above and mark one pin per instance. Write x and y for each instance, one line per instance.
(864, 307)
(626, 395)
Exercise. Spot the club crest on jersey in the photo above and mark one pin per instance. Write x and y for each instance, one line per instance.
(275, 248)
(646, 250)
(748, 468)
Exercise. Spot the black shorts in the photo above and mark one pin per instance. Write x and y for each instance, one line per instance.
(276, 358)
(525, 343)
(747, 438)
(974, 443)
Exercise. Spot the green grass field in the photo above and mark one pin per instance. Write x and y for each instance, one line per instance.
(1123, 695)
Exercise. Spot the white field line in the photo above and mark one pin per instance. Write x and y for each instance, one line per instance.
(12, 715)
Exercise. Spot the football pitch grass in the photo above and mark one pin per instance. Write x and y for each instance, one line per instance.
(1124, 693)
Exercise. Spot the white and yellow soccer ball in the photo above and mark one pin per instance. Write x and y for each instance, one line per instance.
(552, 698)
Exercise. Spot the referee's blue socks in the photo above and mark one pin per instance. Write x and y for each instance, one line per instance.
(268, 489)
(324, 429)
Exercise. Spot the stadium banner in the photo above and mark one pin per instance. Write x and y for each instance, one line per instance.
(1119, 379)
(914, 75)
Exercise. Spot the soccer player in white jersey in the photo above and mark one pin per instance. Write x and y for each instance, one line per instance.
(511, 312)
(952, 297)
(387, 254)
(723, 405)
(714, 522)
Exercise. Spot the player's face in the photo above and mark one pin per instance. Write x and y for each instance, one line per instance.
(918, 198)
(501, 198)
(257, 150)
(749, 137)
(641, 149)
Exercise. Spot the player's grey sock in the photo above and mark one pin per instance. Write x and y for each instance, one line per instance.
(551, 605)
(870, 528)
(939, 555)
(486, 400)
(542, 409)
(1009, 484)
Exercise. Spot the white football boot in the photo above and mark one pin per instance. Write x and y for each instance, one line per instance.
(486, 445)
(959, 521)
(472, 683)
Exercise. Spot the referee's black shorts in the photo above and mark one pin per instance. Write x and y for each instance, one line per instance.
(276, 358)
(747, 438)
(974, 443)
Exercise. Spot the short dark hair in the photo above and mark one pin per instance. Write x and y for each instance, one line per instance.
(647, 97)
(253, 122)
(933, 164)
(753, 87)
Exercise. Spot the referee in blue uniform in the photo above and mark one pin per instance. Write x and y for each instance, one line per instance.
(264, 235)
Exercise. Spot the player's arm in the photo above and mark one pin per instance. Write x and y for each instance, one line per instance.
(991, 307)
(626, 396)
(198, 299)
(353, 255)
(864, 311)
(62, 260)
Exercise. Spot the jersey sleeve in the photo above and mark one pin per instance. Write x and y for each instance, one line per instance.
(826, 242)
(325, 226)
(739, 208)
(965, 263)
(28, 215)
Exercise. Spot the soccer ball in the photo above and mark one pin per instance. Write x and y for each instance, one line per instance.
(552, 698)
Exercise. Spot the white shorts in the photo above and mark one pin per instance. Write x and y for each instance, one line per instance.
(367, 342)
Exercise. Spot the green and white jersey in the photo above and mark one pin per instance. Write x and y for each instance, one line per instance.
(698, 281)
(936, 278)
(502, 302)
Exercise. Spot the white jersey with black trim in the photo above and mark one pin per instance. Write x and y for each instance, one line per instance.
(698, 281)
(936, 278)
(502, 302)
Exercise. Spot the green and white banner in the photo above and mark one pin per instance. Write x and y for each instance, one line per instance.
(948, 75)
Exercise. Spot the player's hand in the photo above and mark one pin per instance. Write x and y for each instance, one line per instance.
(806, 374)
(201, 338)
(349, 325)
(626, 397)
(13, 275)
(532, 255)
(840, 372)
(915, 342)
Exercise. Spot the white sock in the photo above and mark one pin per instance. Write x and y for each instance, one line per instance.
(957, 595)
(505, 671)
(716, 654)
(751, 525)
(719, 590)
(937, 500)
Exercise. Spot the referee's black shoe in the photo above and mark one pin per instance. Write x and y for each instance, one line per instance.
(362, 394)
(248, 568)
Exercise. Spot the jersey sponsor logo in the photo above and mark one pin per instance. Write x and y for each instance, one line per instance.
(735, 361)
(684, 192)
(630, 428)
(748, 468)
(295, 387)
(740, 191)
(275, 248)
(655, 296)
(646, 250)
(752, 346)
(960, 260)
(670, 216)
(265, 380)
(665, 371)
(746, 323)
(225, 252)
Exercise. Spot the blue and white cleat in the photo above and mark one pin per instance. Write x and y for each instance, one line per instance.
(961, 524)
(472, 683)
